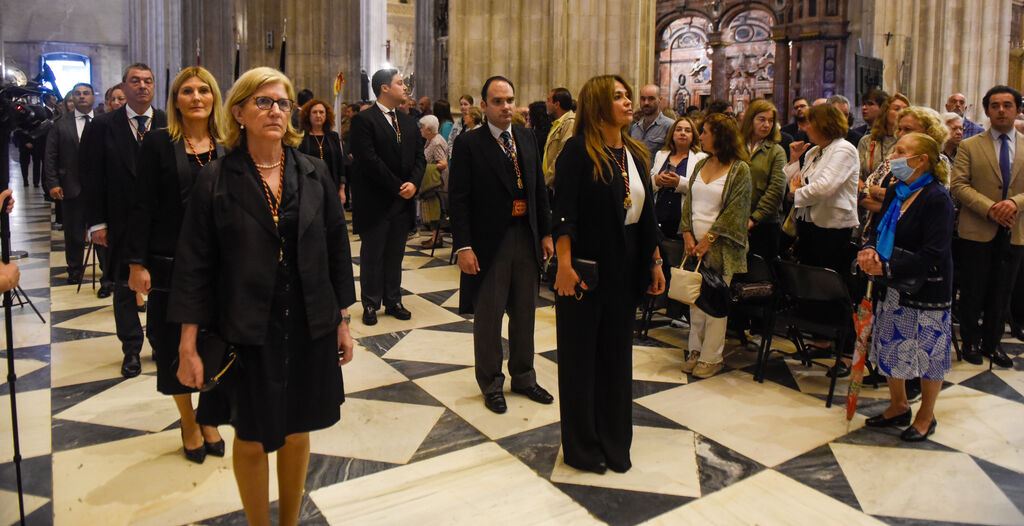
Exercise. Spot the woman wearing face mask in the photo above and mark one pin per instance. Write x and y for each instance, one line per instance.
(169, 162)
(670, 174)
(912, 239)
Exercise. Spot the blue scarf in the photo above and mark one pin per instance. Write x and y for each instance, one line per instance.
(887, 227)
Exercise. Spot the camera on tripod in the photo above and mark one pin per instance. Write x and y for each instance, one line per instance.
(21, 105)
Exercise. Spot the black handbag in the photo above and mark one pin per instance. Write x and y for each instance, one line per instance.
(715, 294)
(160, 268)
(217, 355)
(585, 268)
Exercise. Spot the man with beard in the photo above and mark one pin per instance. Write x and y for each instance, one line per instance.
(652, 127)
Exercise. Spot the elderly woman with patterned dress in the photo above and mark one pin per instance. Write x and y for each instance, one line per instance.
(714, 229)
(316, 119)
(912, 241)
(264, 264)
(436, 152)
(169, 161)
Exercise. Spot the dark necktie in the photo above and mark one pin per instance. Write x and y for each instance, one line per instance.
(506, 140)
(1004, 162)
(140, 129)
(394, 122)
(87, 119)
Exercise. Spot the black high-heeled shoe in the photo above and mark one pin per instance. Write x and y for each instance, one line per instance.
(215, 448)
(902, 419)
(911, 434)
(197, 455)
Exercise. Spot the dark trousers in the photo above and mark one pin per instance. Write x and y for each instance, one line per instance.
(988, 272)
(380, 260)
(33, 155)
(509, 285)
(824, 247)
(595, 372)
(126, 310)
(1016, 315)
(74, 211)
(764, 240)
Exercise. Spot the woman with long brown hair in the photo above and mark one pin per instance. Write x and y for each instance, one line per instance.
(874, 147)
(671, 171)
(169, 162)
(603, 213)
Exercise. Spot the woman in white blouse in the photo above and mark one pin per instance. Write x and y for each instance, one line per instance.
(824, 191)
(670, 174)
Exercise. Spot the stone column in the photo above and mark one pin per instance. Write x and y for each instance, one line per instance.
(425, 57)
(154, 37)
(781, 89)
(719, 75)
(373, 16)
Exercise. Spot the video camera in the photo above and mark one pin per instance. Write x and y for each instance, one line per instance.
(21, 105)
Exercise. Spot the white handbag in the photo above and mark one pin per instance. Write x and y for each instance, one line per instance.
(685, 284)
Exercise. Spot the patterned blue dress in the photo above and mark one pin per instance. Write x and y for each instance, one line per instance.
(908, 343)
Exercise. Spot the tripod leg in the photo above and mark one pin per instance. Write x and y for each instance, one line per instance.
(28, 300)
(88, 251)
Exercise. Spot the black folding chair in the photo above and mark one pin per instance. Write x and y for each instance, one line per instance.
(818, 306)
(672, 253)
(759, 310)
(90, 253)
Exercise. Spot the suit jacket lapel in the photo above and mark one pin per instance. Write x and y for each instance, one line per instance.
(124, 138)
(311, 197)
(496, 156)
(990, 152)
(249, 194)
(1017, 167)
(184, 171)
(525, 161)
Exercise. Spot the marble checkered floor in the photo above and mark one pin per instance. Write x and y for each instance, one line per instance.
(416, 445)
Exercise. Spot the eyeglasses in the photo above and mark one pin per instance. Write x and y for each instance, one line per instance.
(265, 103)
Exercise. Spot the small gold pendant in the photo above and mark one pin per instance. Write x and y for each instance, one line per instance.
(519, 182)
(625, 176)
(628, 203)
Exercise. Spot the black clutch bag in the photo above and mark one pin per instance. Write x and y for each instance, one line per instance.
(217, 355)
(160, 268)
(585, 268)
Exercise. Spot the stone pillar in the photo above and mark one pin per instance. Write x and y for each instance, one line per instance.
(373, 16)
(781, 91)
(426, 47)
(719, 75)
(154, 37)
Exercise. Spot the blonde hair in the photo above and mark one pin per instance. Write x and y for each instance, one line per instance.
(879, 129)
(760, 106)
(174, 118)
(244, 87)
(930, 120)
(594, 109)
(926, 145)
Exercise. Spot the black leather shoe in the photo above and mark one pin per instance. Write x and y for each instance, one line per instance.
(369, 316)
(902, 419)
(536, 393)
(74, 279)
(215, 448)
(131, 366)
(398, 311)
(999, 358)
(197, 455)
(972, 355)
(495, 402)
(911, 434)
(105, 291)
(1017, 331)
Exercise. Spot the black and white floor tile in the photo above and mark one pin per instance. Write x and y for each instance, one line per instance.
(415, 443)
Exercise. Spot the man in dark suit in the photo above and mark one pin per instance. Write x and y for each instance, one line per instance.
(107, 156)
(501, 222)
(388, 158)
(61, 178)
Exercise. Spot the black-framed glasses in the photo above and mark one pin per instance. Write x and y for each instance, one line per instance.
(265, 103)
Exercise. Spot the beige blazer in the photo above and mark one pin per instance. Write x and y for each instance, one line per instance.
(977, 183)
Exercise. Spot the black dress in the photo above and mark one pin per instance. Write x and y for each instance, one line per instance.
(166, 174)
(292, 383)
(328, 148)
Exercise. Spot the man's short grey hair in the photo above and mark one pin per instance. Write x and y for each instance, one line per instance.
(429, 122)
(838, 99)
(949, 116)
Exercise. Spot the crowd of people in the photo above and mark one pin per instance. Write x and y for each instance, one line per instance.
(230, 217)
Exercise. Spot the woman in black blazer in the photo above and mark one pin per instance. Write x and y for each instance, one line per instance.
(264, 261)
(603, 212)
(316, 119)
(169, 160)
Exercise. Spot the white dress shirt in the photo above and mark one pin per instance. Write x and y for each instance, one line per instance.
(496, 133)
(385, 110)
(80, 121)
(684, 181)
(998, 144)
(133, 124)
(828, 197)
(636, 190)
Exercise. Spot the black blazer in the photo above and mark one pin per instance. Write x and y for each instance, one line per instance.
(332, 154)
(925, 234)
(480, 199)
(60, 165)
(107, 157)
(591, 213)
(162, 190)
(382, 165)
(226, 261)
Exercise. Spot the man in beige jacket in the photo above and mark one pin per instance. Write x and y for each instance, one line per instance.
(988, 180)
(561, 107)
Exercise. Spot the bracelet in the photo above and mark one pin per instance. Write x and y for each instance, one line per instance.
(347, 319)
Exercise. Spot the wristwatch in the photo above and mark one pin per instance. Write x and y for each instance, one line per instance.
(710, 237)
(347, 319)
